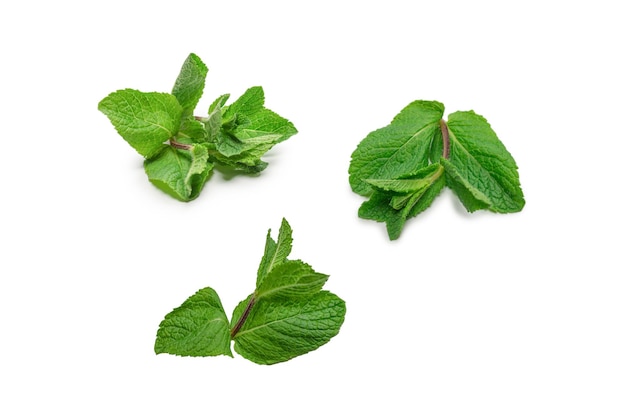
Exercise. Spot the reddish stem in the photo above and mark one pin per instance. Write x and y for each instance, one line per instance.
(243, 318)
(179, 145)
(446, 138)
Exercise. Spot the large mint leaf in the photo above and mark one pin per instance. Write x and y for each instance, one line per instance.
(275, 253)
(484, 171)
(277, 330)
(180, 173)
(198, 327)
(189, 85)
(291, 279)
(144, 120)
(397, 149)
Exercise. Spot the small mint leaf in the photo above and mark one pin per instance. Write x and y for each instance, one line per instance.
(192, 130)
(378, 208)
(245, 146)
(213, 123)
(400, 186)
(395, 201)
(275, 252)
(198, 327)
(228, 145)
(180, 173)
(248, 103)
(291, 279)
(219, 103)
(189, 85)
(268, 122)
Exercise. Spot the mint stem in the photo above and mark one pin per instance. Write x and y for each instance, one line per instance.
(178, 145)
(243, 318)
(446, 138)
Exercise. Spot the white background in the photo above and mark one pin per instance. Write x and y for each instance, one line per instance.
(480, 315)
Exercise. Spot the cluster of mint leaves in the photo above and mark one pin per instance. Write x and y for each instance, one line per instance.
(287, 315)
(401, 168)
(181, 149)
(404, 166)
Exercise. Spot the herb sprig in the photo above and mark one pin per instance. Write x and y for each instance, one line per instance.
(404, 166)
(181, 149)
(287, 315)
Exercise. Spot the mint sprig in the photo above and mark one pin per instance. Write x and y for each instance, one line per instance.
(181, 149)
(286, 316)
(404, 166)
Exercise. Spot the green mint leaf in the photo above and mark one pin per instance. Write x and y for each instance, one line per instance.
(248, 131)
(178, 172)
(247, 161)
(192, 130)
(278, 330)
(483, 163)
(400, 186)
(189, 85)
(248, 103)
(425, 199)
(246, 149)
(255, 139)
(267, 122)
(378, 208)
(199, 327)
(144, 120)
(213, 124)
(243, 162)
(291, 279)
(472, 198)
(228, 145)
(275, 253)
(395, 201)
(219, 103)
(404, 166)
(401, 147)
